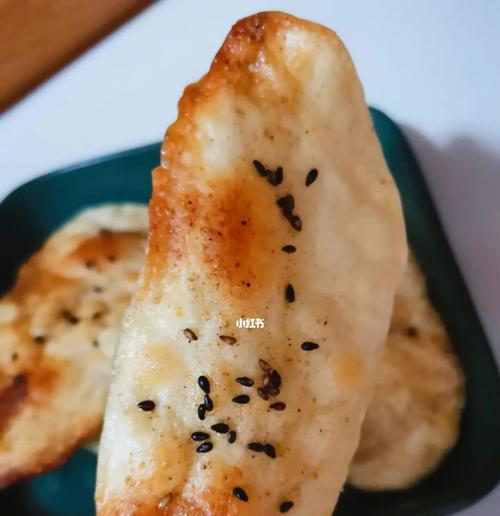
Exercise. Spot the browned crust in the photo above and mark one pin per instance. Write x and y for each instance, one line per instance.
(215, 505)
(174, 208)
(211, 502)
(12, 399)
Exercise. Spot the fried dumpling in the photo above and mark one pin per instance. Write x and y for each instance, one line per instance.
(58, 330)
(273, 204)
(413, 418)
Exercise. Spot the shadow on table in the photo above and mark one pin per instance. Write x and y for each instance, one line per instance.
(464, 179)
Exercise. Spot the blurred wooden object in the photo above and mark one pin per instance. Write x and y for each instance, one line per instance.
(37, 37)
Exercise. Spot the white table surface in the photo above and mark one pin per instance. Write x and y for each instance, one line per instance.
(432, 66)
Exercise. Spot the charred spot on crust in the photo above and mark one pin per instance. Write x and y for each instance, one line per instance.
(233, 254)
(69, 317)
(412, 332)
(11, 399)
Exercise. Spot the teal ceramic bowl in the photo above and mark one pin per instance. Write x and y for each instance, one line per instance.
(33, 211)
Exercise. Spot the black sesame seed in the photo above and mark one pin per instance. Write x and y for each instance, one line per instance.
(275, 178)
(261, 169)
(241, 399)
(296, 222)
(204, 384)
(263, 393)
(240, 493)
(275, 378)
(256, 447)
(40, 339)
(278, 176)
(290, 293)
(270, 451)
(311, 177)
(227, 339)
(220, 428)
(286, 506)
(289, 248)
(278, 405)
(286, 203)
(245, 381)
(205, 447)
(146, 405)
(209, 404)
(309, 346)
(231, 437)
(264, 365)
(70, 317)
(201, 411)
(272, 390)
(199, 436)
(190, 334)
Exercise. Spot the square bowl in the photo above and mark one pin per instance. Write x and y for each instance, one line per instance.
(34, 210)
